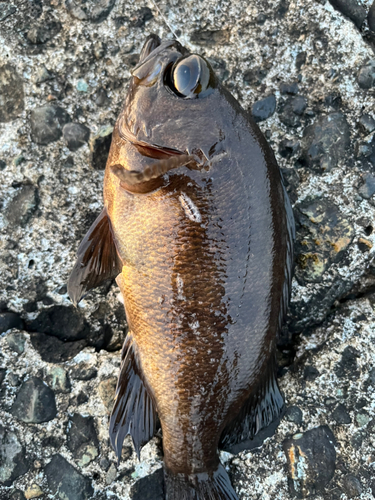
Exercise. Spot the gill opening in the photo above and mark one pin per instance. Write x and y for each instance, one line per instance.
(150, 178)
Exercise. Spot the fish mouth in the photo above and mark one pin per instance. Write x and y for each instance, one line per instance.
(151, 43)
(153, 46)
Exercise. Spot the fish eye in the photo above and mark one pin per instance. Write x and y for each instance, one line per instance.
(191, 77)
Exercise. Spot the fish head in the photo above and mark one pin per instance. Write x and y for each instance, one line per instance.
(175, 102)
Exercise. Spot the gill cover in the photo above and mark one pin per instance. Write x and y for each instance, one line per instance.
(147, 180)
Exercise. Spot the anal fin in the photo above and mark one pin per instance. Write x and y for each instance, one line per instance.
(133, 412)
(262, 408)
(97, 259)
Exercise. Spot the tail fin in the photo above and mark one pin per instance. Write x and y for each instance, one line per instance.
(201, 486)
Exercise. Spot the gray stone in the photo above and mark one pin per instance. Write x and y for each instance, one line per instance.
(104, 463)
(288, 148)
(291, 109)
(299, 104)
(341, 415)
(149, 488)
(367, 123)
(362, 419)
(47, 123)
(35, 402)
(65, 323)
(10, 320)
(99, 148)
(210, 37)
(42, 33)
(367, 189)
(352, 486)
(16, 342)
(310, 373)
(13, 379)
(311, 458)
(363, 150)
(293, 414)
(264, 108)
(347, 367)
(99, 50)
(65, 482)
(254, 76)
(17, 495)
(84, 372)
(326, 142)
(371, 17)
(370, 382)
(107, 390)
(141, 17)
(12, 457)
(351, 9)
(366, 75)
(101, 98)
(43, 75)
(22, 206)
(75, 135)
(6, 10)
(289, 88)
(111, 474)
(58, 379)
(95, 11)
(11, 93)
(300, 59)
(82, 439)
(53, 350)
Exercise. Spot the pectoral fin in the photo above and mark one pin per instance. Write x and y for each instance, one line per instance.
(97, 259)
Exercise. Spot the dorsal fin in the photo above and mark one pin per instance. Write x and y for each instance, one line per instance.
(97, 259)
(133, 412)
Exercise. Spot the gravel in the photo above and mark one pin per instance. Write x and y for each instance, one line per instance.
(305, 70)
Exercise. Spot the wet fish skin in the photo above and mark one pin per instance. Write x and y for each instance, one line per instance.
(205, 255)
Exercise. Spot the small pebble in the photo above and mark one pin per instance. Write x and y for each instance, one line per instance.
(366, 75)
(82, 86)
(264, 108)
(111, 474)
(47, 123)
(293, 414)
(16, 341)
(289, 88)
(352, 486)
(75, 135)
(367, 124)
(33, 491)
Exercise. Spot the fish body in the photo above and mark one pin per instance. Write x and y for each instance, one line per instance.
(199, 234)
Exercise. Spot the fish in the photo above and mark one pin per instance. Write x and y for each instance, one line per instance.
(198, 231)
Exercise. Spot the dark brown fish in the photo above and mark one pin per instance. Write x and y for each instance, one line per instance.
(198, 231)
